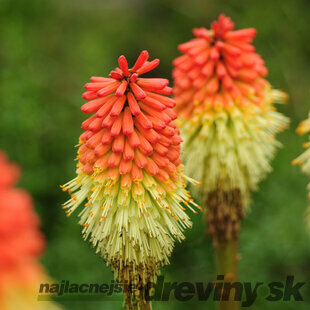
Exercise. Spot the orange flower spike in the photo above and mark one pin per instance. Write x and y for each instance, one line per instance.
(130, 161)
(19, 222)
(21, 244)
(226, 108)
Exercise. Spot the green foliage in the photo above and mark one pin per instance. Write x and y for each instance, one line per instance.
(49, 49)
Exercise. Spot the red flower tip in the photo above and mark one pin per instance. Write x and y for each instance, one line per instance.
(148, 66)
(218, 66)
(222, 26)
(132, 129)
(123, 80)
(116, 75)
(121, 89)
(122, 61)
(134, 77)
(140, 61)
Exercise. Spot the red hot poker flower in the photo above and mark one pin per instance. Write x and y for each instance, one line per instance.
(21, 239)
(130, 170)
(227, 116)
(20, 244)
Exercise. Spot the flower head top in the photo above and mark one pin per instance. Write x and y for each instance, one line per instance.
(227, 117)
(21, 243)
(219, 69)
(130, 170)
(132, 129)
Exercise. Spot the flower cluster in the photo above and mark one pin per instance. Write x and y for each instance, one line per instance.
(227, 117)
(304, 159)
(20, 244)
(130, 172)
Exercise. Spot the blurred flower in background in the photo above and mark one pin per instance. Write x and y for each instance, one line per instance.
(304, 160)
(227, 119)
(20, 245)
(229, 124)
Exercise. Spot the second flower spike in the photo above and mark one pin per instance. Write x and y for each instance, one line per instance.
(227, 119)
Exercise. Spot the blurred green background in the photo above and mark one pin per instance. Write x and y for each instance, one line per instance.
(49, 49)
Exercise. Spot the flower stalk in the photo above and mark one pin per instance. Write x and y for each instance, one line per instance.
(223, 217)
(226, 259)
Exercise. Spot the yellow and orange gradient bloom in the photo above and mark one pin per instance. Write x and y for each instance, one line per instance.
(226, 109)
(304, 160)
(130, 172)
(20, 245)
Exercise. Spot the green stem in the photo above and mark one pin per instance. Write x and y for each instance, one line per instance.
(226, 258)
